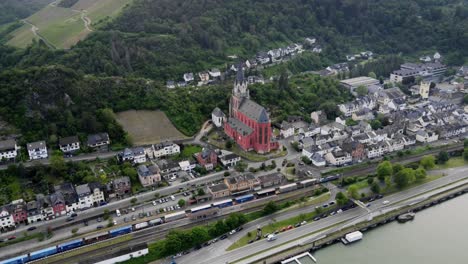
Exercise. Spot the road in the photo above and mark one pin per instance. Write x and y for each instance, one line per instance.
(212, 255)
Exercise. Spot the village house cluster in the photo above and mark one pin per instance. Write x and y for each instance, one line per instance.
(38, 150)
(433, 111)
(261, 59)
(65, 199)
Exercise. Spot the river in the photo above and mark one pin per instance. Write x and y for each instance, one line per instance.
(437, 235)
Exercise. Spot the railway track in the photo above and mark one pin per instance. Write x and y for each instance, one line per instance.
(146, 235)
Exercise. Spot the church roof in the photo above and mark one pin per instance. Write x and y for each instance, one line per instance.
(254, 111)
(217, 112)
(240, 127)
(240, 78)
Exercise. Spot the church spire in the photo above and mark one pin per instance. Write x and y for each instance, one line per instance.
(240, 84)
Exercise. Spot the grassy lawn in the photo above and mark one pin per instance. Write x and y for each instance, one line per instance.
(452, 163)
(37, 236)
(277, 225)
(189, 151)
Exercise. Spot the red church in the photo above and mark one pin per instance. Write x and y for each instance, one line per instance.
(248, 123)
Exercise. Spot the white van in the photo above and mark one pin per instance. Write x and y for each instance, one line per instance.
(117, 212)
(172, 198)
(271, 237)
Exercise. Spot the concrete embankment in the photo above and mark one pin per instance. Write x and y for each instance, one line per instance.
(334, 237)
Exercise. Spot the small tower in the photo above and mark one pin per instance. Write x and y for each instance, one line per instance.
(424, 88)
(239, 92)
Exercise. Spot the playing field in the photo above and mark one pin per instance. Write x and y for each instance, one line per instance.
(148, 127)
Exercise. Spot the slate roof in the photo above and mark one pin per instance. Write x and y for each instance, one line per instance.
(7, 144)
(68, 140)
(98, 138)
(218, 187)
(36, 145)
(83, 190)
(240, 127)
(254, 111)
(217, 112)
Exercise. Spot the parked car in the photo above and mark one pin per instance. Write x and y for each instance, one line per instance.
(32, 228)
(316, 218)
(297, 225)
(11, 238)
(70, 219)
(386, 202)
(99, 227)
(251, 241)
(266, 235)
(223, 237)
(239, 228)
(303, 222)
(232, 232)
(155, 203)
(99, 219)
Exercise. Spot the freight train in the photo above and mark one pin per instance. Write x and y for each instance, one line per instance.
(47, 252)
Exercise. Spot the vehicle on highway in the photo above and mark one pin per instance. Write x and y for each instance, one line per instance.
(316, 218)
(99, 227)
(339, 211)
(386, 202)
(32, 228)
(379, 196)
(303, 222)
(271, 238)
(232, 232)
(332, 203)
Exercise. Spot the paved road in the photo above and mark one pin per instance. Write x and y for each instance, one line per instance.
(210, 255)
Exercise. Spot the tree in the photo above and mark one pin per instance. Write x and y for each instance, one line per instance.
(341, 198)
(376, 124)
(57, 165)
(318, 210)
(241, 166)
(465, 143)
(353, 191)
(372, 75)
(465, 154)
(306, 160)
(443, 157)
(362, 90)
(181, 203)
(428, 162)
(199, 235)
(134, 200)
(200, 192)
(465, 99)
(229, 144)
(370, 180)
(384, 169)
(375, 187)
(404, 177)
(270, 208)
(420, 174)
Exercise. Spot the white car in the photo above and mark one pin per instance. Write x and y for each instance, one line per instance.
(232, 232)
(155, 203)
(386, 202)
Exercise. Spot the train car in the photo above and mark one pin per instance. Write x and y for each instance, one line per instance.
(16, 260)
(287, 188)
(70, 245)
(329, 178)
(223, 203)
(200, 208)
(43, 253)
(245, 198)
(157, 221)
(174, 216)
(141, 225)
(266, 192)
(96, 238)
(120, 231)
(307, 183)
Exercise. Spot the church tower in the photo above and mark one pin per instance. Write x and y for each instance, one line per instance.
(239, 92)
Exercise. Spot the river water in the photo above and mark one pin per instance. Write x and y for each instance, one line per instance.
(438, 234)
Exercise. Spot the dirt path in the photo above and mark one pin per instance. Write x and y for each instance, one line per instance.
(35, 30)
(86, 20)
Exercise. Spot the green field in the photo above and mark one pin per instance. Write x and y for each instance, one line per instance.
(64, 27)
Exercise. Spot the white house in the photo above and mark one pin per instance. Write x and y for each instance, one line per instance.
(85, 197)
(165, 149)
(318, 160)
(218, 117)
(426, 136)
(69, 144)
(37, 150)
(8, 149)
(229, 160)
(6, 219)
(338, 158)
(135, 155)
(188, 77)
(287, 130)
(186, 165)
(215, 73)
(377, 150)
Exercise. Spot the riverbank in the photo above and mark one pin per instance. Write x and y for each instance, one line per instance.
(388, 217)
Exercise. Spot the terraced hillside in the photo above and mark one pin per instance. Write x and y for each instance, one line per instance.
(63, 27)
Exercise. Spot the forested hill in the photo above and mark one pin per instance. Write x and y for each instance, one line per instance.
(162, 39)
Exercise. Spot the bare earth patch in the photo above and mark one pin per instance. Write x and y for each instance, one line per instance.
(148, 127)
